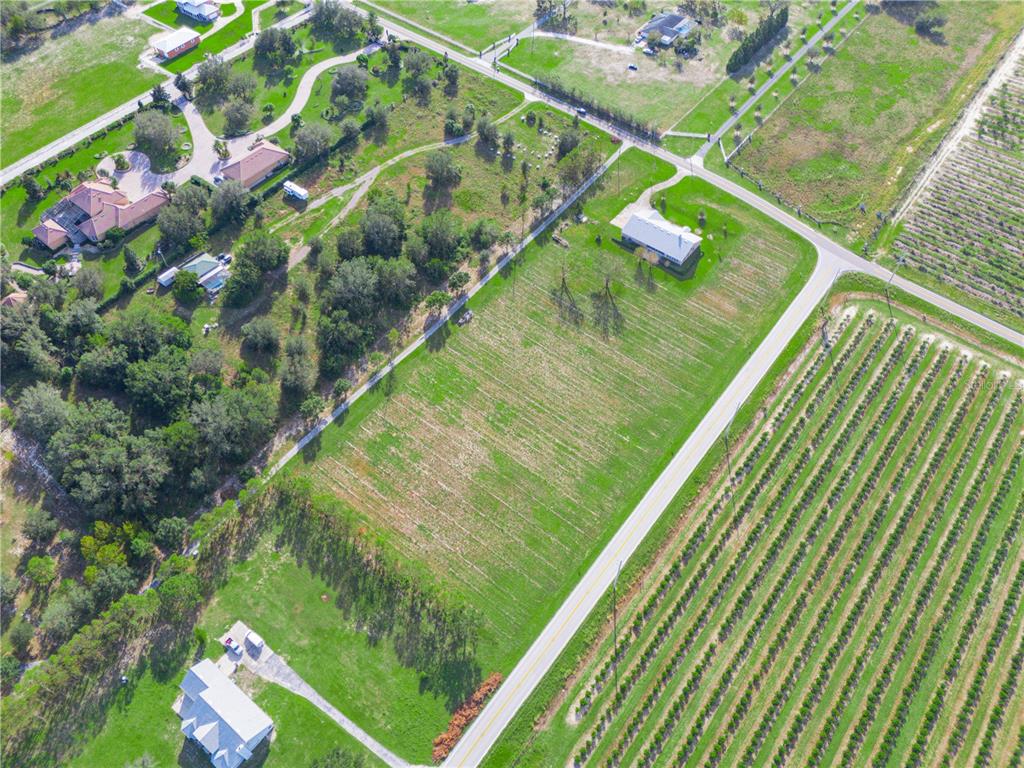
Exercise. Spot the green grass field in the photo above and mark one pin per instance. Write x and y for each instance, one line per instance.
(223, 38)
(476, 25)
(526, 417)
(140, 722)
(867, 529)
(106, 51)
(858, 132)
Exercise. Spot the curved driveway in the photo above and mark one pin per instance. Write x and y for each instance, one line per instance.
(205, 162)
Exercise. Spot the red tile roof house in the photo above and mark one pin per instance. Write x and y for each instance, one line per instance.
(91, 210)
(261, 162)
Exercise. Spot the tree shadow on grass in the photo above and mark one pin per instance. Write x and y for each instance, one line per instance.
(439, 338)
(608, 318)
(312, 449)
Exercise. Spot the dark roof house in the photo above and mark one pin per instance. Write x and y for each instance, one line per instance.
(664, 28)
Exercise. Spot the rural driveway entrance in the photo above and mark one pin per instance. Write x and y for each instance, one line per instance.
(272, 667)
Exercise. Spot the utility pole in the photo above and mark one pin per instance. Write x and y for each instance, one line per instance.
(824, 334)
(892, 274)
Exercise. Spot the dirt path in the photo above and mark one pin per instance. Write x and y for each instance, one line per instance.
(624, 50)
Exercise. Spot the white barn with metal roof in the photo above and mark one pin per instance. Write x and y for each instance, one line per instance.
(218, 716)
(656, 233)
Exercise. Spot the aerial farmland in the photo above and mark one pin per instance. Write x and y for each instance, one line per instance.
(485, 383)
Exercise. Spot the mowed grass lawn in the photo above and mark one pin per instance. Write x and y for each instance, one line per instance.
(498, 459)
(223, 38)
(858, 132)
(297, 614)
(55, 88)
(141, 723)
(476, 25)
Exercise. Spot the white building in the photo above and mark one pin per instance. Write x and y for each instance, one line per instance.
(656, 233)
(177, 42)
(215, 713)
(200, 11)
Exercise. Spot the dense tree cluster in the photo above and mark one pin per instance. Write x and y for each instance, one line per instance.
(183, 218)
(332, 20)
(276, 46)
(119, 464)
(260, 253)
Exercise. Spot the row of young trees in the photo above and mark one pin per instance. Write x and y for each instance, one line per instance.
(956, 591)
(830, 551)
(885, 558)
(767, 28)
(973, 698)
(811, 491)
(699, 535)
(665, 629)
(924, 594)
(813, 695)
(954, 662)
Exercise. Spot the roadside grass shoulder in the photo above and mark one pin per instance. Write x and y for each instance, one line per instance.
(101, 52)
(275, 13)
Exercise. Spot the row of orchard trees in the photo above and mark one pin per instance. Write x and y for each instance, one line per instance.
(766, 29)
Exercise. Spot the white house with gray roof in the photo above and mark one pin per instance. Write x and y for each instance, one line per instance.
(215, 714)
(656, 233)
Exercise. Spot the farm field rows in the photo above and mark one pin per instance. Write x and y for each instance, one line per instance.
(101, 51)
(850, 141)
(965, 233)
(527, 416)
(848, 590)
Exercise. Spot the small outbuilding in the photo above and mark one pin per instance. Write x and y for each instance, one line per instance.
(653, 231)
(166, 279)
(177, 42)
